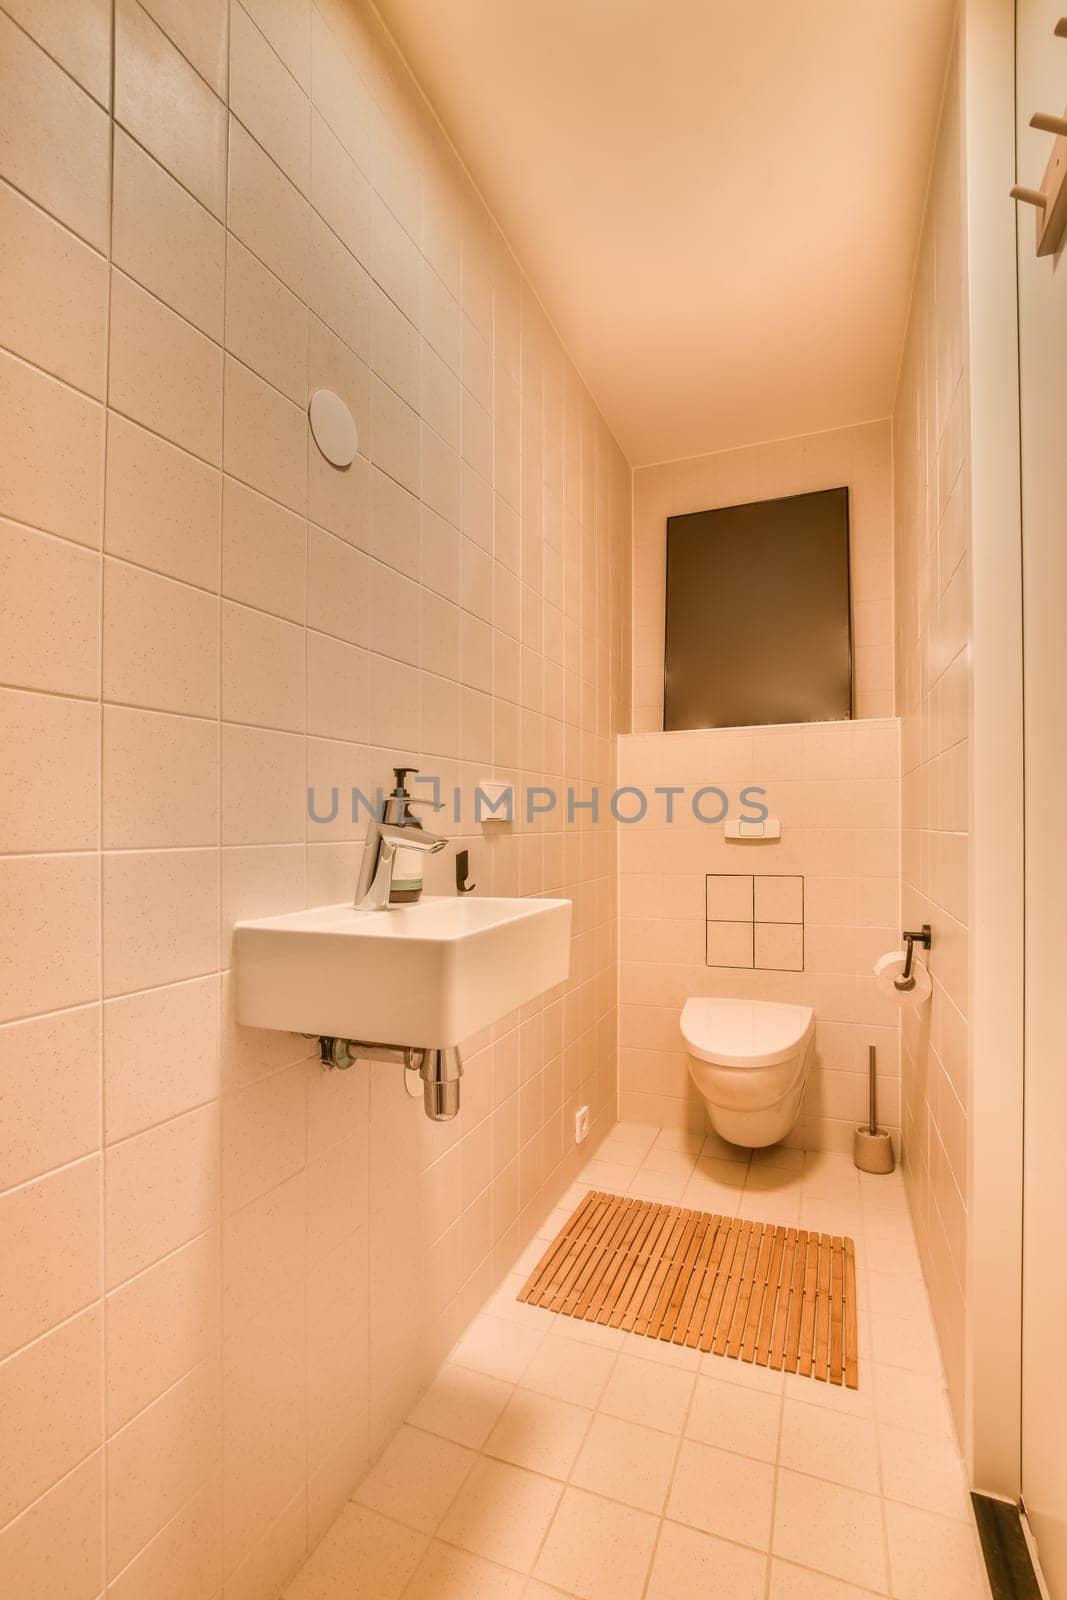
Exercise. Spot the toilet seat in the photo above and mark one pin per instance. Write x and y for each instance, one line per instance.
(743, 1034)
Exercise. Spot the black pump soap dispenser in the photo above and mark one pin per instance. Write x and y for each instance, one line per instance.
(406, 885)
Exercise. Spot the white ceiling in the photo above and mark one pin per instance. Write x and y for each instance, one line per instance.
(717, 200)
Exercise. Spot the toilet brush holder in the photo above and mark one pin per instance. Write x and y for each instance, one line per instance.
(872, 1147)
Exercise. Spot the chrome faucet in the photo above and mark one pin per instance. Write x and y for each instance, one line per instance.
(399, 829)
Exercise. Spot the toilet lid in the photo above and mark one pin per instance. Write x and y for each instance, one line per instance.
(745, 1033)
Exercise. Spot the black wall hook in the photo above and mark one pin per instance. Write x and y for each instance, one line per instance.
(463, 862)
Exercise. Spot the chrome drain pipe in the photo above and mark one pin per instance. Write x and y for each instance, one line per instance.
(440, 1070)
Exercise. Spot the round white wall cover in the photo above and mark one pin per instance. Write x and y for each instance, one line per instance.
(333, 427)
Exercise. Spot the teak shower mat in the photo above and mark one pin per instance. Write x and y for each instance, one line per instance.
(781, 1297)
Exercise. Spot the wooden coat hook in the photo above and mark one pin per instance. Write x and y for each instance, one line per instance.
(1050, 201)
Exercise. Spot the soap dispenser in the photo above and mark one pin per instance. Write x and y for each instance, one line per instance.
(406, 884)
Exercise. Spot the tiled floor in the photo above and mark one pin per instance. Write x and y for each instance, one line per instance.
(552, 1458)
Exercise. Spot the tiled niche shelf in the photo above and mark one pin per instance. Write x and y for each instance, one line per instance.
(755, 920)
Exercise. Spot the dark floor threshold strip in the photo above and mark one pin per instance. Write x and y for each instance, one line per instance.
(1007, 1554)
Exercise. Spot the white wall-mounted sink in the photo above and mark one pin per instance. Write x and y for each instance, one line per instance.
(428, 975)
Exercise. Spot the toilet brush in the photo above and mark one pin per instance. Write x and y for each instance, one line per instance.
(872, 1147)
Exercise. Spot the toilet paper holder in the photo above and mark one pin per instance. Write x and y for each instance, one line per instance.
(907, 977)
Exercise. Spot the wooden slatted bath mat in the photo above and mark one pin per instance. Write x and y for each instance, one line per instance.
(780, 1297)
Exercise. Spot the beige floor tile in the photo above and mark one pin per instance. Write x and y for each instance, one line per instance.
(905, 1341)
(798, 1583)
(596, 1549)
(665, 1187)
(647, 1392)
(570, 1371)
(932, 1555)
(540, 1433)
(497, 1348)
(415, 1479)
(830, 1444)
(363, 1557)
(626, 1462)
(835, 1530)
(461, 1405)
(923, 1472)
(663, 1351)
(445, 1573)
(690, 1564)
(735, 1418)
(593, 1333)
(834, 1396)
(502, 1513)
(747, 1373)
(723, 1494)
(679, 1163)
(912, 1400)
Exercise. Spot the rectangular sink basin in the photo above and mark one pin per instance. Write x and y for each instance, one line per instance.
(429, 974)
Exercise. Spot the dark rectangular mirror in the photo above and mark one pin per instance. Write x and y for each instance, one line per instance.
(758, 626)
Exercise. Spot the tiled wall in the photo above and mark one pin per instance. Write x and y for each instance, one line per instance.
(859, 458)
(934, 698)
(835, 788)
(233, 1271)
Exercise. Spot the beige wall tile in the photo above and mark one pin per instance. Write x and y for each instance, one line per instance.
(160, 910)
(51, 1397)
(49, 613)
(265, 438)
(262, 669)
(340, 193)
(161, 1190)
(338, 589)
(53, 296)
(340, 292)
(161, 1325)
(184, 1558)
(80, 40)
(51, 791)
(165, 239)
(159, 1460)
(263, 553)
(266, 325)
(162, 506)
(49, 1119)
(266, 212)
(178, 1027)
(337, 689)
(49, 933)
(57, 1545)
(262, 1137)
(199, 31)
(164, 372)
(268, 99)
(160, 642)
(53, 442)
(287, 26)
(262, 786)
(167, 107)
(160, 780)
(50, 1232)
(54, 140)
(265, 1449)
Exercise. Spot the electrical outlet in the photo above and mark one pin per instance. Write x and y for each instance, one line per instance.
(581, 1125)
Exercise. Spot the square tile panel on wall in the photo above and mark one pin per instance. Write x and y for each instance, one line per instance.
(755, 920)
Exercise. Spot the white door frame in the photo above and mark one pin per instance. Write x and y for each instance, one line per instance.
(993, 1425)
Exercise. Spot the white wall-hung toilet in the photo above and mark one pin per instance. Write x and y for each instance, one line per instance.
(750, 1061)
